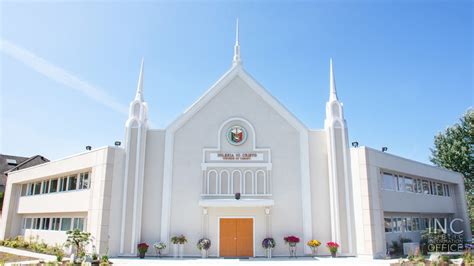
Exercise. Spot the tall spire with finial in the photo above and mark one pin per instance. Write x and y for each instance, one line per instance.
(236, 59)
(332, 83)
(139, 95)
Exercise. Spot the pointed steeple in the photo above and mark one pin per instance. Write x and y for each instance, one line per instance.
(139, 95)
(332, 83)
(236, 59)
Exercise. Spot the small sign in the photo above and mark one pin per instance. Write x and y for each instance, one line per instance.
(250, 156)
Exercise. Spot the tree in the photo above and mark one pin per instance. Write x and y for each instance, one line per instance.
(454, 150)
(79, 241)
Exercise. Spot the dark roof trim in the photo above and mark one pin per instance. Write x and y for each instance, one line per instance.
(25, 162)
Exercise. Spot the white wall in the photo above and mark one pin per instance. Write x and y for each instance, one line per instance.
(320, 188)
(374, 201)
(272, 131)
(103, 164)
(77, 201)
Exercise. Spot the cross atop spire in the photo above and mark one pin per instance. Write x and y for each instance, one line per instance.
(332, 83)
(139, 95)
(236, 59)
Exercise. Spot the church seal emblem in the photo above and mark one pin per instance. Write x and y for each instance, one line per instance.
(236, 135)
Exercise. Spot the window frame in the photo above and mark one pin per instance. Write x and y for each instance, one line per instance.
(385, 175)
(390, 225)
(62, 223)
(69, 182)
(51, 185)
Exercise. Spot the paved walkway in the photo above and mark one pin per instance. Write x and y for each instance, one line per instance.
(25, 253)
(253, 261)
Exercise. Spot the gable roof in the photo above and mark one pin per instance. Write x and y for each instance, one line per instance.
(236, 70)
(28, 162)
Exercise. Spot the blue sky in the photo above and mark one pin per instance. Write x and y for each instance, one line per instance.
(404, 69)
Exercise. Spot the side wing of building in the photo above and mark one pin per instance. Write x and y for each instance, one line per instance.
(399, 198)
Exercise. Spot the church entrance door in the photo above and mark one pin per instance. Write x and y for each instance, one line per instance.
(236, 237)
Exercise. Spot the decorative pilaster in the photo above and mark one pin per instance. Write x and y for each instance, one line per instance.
(340, 181)
(135, 146)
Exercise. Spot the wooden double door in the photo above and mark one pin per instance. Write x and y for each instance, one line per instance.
(236, 237)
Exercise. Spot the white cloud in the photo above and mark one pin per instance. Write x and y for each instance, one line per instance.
(61, 76)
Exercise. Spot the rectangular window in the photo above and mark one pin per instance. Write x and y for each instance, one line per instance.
(440, 189)
(45, 224)
(398, 224)
(65, 224)
(55, 224)
(433, 188)
(446, 190)
(79, 223)
(388, 224)
(37, 188)
(416, 224)
(426, 187)
(27, 223)
(401, 183)
(53, 185)
(45, 187)
(62, 184)
(31, 189)
(408, 224)
(36, 223)
(83, 181)
(24, 189)
(388, 181)
(418, 186)
(72, 182)
(408, 184)
(424, 223)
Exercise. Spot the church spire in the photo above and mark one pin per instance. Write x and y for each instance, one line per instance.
(139, 95)
(236, 59)
(332, 83)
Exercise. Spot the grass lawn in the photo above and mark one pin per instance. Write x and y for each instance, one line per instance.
(7, 257)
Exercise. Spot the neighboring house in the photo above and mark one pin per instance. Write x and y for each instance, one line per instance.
(236, 138)
(9, 163)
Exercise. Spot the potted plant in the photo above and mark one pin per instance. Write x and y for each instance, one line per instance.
(178, 245)
(332, 246)
(203, 245)
(292, 241)
(142, 249)
(175, 242)
(78, 240)
(159, 246)
(268, 244)
(313, 244)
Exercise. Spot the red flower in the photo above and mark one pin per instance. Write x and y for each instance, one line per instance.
(142, 247)
(291, 239)
(332, 245)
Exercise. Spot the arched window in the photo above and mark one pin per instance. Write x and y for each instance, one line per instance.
(236, 181)
(212, 183)
(224, 179)
(248, 182)
(261, 182)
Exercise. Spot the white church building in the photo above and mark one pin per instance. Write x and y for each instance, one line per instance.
(236, 138)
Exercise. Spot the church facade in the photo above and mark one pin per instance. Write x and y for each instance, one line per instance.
(235, 167)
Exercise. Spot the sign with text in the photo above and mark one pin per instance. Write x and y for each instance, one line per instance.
(244, 156)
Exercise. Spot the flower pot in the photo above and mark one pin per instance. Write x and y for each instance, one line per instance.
(314, 250)
(142, 255)
(203, 253)
(292, 249)
(269, 253)
(333, 254)
(175, 250)
(181, 250)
